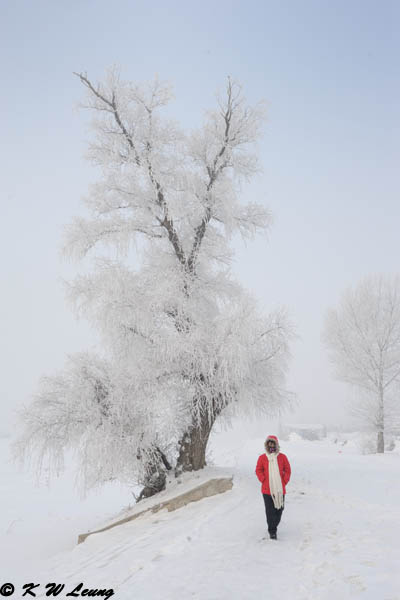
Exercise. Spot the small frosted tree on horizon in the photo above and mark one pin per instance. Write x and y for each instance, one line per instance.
(363, 340)
(183, 343)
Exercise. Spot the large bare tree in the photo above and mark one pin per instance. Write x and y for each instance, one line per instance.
(363, 338)
(183, 343)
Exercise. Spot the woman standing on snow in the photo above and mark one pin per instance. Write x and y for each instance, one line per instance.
(273, 470)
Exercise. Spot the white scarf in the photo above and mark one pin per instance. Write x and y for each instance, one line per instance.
(275, 481)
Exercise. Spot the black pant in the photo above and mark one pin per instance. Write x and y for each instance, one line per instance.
(273, 514)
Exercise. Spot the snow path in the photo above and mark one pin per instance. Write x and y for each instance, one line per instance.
(339, 536)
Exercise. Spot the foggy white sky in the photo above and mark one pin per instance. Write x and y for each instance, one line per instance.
(330, 74)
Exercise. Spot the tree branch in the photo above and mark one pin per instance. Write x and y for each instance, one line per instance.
(167, 221)
(213, 173)
(112, 108)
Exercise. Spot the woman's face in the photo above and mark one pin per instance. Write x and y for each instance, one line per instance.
(271, 445)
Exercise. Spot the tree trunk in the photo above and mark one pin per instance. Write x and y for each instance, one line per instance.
(153, 484)
(193, 445)
(380, 443)
(156, 478)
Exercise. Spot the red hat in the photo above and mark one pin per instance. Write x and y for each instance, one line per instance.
(275, 439)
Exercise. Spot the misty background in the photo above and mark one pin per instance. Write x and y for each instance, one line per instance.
(329, 72)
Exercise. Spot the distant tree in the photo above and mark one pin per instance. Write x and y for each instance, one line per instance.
(183, 343)
(363, 338)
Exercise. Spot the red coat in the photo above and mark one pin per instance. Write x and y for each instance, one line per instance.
(262, 471)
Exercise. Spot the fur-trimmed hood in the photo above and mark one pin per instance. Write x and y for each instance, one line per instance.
(272, 437)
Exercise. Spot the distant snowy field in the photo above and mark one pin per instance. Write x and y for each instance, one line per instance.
(339, 536)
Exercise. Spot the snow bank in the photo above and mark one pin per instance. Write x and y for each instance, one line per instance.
(192, 492)
(339, 535)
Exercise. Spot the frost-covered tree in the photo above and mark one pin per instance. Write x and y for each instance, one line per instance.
(183, 343)
(363, 338)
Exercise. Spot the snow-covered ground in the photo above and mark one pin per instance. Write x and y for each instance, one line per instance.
(339, 536)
